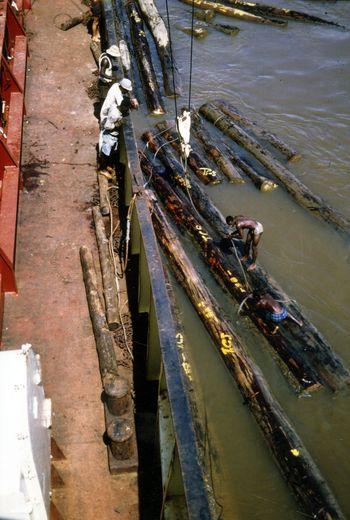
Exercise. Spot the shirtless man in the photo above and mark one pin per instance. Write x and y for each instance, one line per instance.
(273, 310)
(255, 230)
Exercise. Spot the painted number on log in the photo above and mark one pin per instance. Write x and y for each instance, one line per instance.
(203, 234)
(226, 343)
(185, 364)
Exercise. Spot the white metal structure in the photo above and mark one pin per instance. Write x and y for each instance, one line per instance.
(25, 420)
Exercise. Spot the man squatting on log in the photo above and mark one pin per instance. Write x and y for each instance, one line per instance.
(255, 230)
(272, 310)
(116, 106)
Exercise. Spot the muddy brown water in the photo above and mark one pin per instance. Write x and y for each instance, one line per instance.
(294, 82)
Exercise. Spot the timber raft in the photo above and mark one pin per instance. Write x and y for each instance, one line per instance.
(140, 427)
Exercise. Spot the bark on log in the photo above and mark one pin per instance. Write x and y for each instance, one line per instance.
(76, 20)
(103, 337)
(268, 10)
(214, 152)
(233, 113)
(233, 13)
(297, 189)
(291, 456)
(143, 54)
(201, 168)
(260, 181)
(108, 277)
(289, 349)
(103, 192)
(316, 350)
(155, 23)
(95, 48)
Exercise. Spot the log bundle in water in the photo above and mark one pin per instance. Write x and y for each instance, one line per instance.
(291, 456)
(279, 12)
(201, 168)
(171, 75)
(234, 114)
(296, 188)
(143, 54)
(233, 13)
(291, 343)
(213, 151)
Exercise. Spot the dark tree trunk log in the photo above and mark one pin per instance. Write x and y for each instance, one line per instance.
(171, 75)
(143, 54)
(317, 350)
(268, 10)
(297, 189)
(233, 113)
(108, 277)
(291, 456)
(260, 181)
(103, 337)
(202, 169)
(291, 343)
(103, 192)
(233, 13)
(214, 152)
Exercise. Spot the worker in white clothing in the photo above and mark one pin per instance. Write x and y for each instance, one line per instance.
(116, 106)
(109, 69)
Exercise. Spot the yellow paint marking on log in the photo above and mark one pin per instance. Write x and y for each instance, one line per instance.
(207, 312)
(185, 365)
(295, 452)
(208, 172)
(179, 340)
(233, 279)
(226, 343)
(204, 235)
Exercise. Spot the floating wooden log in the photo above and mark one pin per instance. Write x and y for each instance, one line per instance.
(171, 74)
(290, 348)
(199, 31)
(234, 114)
(297, 189)
(224, 28)
(291, 456)
(280, 12)
(214, 152)
(317, 351)
(143, 54)
(108, 276)
(203, 170)
(103, 336)
(76, 20)
(260, 181)
(205, 15)
(233, 13)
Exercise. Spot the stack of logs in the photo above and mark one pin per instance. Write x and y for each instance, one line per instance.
(120, 427)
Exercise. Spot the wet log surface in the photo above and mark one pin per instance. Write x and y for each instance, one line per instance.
(198, 31)
(291, 456)
(201, 168)
(312, 345)
(260, 181)
(143, 54)
(224, 28)
(171, 74)
(279, 12)
(303, 195)
(290, 343)
(214, 152)
(234, 114)
(233, 13)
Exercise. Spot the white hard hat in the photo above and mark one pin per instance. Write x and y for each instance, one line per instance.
(114, 51)
(126, 84)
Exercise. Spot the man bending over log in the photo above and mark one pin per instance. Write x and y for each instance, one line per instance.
(255, 230)
(273, 311)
